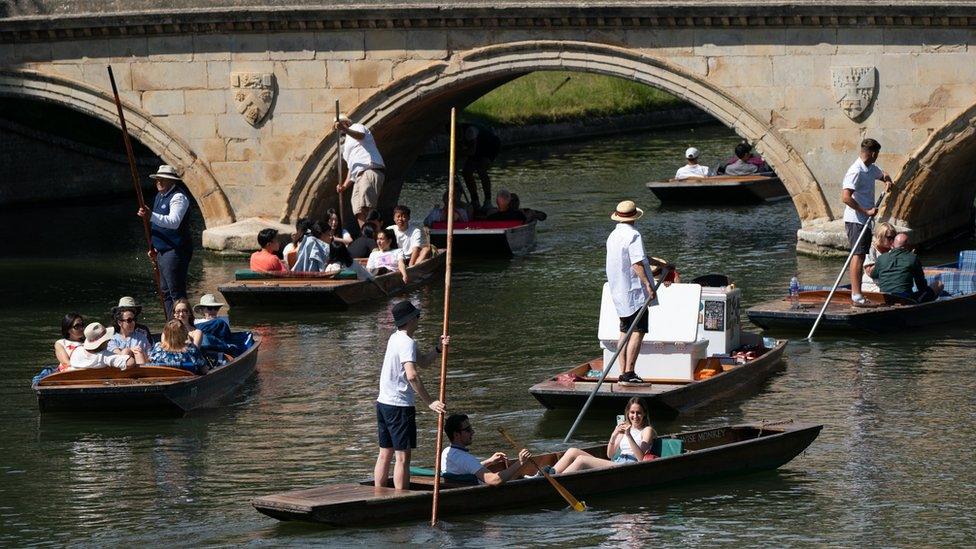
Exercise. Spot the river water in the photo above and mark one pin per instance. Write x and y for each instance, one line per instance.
(893, 465)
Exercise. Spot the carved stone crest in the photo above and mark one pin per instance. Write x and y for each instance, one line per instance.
(253, 94)
(854, 88)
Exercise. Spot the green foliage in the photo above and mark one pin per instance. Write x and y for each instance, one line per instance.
(556, 96)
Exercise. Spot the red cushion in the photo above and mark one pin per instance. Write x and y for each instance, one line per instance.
(480, 224)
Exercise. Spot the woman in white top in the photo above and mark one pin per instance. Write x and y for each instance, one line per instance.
(386, 257)
(884, 236)
(338, 231)
(72, 337)
(633, 438)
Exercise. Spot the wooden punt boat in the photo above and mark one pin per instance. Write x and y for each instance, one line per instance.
(156, 388)
(502, 238)
(571, 388)
(325, 292)
(721, 189)
(708, 453)
(890, 313)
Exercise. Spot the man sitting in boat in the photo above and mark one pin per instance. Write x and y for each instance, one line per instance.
(897, 270)
(630, 442)
(94, 353)
(438, 213)
(217, 336)
(265, 259)
(692, 170)
(456, 460)
(744, 163)
(364, 243)
(387, 257)
(506, 209)
(410, 238)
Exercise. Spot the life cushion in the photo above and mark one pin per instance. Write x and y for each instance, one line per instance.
(480, 224)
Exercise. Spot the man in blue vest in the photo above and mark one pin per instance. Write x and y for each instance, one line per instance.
(170, 234)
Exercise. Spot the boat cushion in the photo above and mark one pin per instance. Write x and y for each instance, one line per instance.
(480, 224)
(967, 260)
(426, 472)
(248, 274)
(957, 282)
(666, 447)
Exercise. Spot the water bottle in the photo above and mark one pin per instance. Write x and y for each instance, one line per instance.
(794, 293)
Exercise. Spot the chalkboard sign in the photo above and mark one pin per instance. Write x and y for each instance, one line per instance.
(715, 316)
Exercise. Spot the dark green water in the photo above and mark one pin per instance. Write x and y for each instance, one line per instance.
(893, 465)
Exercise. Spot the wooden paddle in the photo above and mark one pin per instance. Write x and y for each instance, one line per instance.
(442, 394)
(139, 198)
(576, 504)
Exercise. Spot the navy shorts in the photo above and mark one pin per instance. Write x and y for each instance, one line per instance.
(396, 426)
(853, 231)
(626, 321)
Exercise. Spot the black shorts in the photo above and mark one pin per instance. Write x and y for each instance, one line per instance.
(626, 321)
(396, 426)
(853, 231)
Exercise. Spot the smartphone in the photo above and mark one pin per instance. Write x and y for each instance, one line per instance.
(620, 419)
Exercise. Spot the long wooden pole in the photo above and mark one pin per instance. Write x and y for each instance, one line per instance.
(342, 207)
(840, 275)
(442, 395)
(576, 504)
(139, 197)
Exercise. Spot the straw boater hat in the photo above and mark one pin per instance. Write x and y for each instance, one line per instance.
(129, 303)
(627, 211)
(404, 312)
(166, 172)
(208, 300)
(96, 335)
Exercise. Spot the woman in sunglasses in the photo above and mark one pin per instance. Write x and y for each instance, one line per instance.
(72, 337)
(127, 335)
(183, 313)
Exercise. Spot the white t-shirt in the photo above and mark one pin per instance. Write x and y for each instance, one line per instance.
(407, 240)
(81, 359)
(389, 259)
(867, 283)
(684, 172)
(395, 390)
(458, 461)
(360, 154)
(625, 247)
(860, 179)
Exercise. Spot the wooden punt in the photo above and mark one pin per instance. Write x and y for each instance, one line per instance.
(890, 313)
(709, 453)
(721, 189)
(486, 238)
(156, 388)
(663, 397)
(327, 293)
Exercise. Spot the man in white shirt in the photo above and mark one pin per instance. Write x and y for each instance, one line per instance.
(858, 196)
(410, 238)
(456, 460)
(365, 167)
(693, 170)
(94, 352)
(396, 422)
(629, 277)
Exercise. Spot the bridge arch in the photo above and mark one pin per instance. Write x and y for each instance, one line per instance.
(81, 97)
(934, 190)
(403, 114)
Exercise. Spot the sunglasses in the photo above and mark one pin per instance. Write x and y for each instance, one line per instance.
(126, 320)
(77, 326)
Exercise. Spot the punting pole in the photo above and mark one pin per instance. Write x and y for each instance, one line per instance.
(665, 271)
(139, 197)
(442, 395)
(843, 269)
(342, 207)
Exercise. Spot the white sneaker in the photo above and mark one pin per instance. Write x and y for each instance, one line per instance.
(858, 299)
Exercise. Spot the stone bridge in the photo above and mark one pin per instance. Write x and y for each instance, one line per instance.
(240, 95)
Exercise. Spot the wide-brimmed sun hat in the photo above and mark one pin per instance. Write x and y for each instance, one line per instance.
(207, 301)
(127, 303)
(627, 211)
(96, 335)
(166, 172)
(404, 312)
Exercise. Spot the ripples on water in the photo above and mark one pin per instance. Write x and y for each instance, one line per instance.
(892, 466)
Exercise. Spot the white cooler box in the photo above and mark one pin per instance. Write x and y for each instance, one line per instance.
(670, 350)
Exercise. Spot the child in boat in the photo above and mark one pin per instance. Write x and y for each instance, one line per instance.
(410, 238)
(632, 438)
(265, 260)
(456, 460)
(387, 257)
(94, 353)
(174, 350)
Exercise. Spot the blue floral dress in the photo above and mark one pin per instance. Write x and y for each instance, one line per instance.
(191, 359)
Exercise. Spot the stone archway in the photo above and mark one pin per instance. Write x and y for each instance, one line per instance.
(403, 114)
(936, 188)
(25, 84)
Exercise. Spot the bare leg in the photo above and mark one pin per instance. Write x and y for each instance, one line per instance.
(622, 358)
(401, 470)
(567, 458)
(381, 471)
(633, 349)
(857, 272)
(585, 462)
